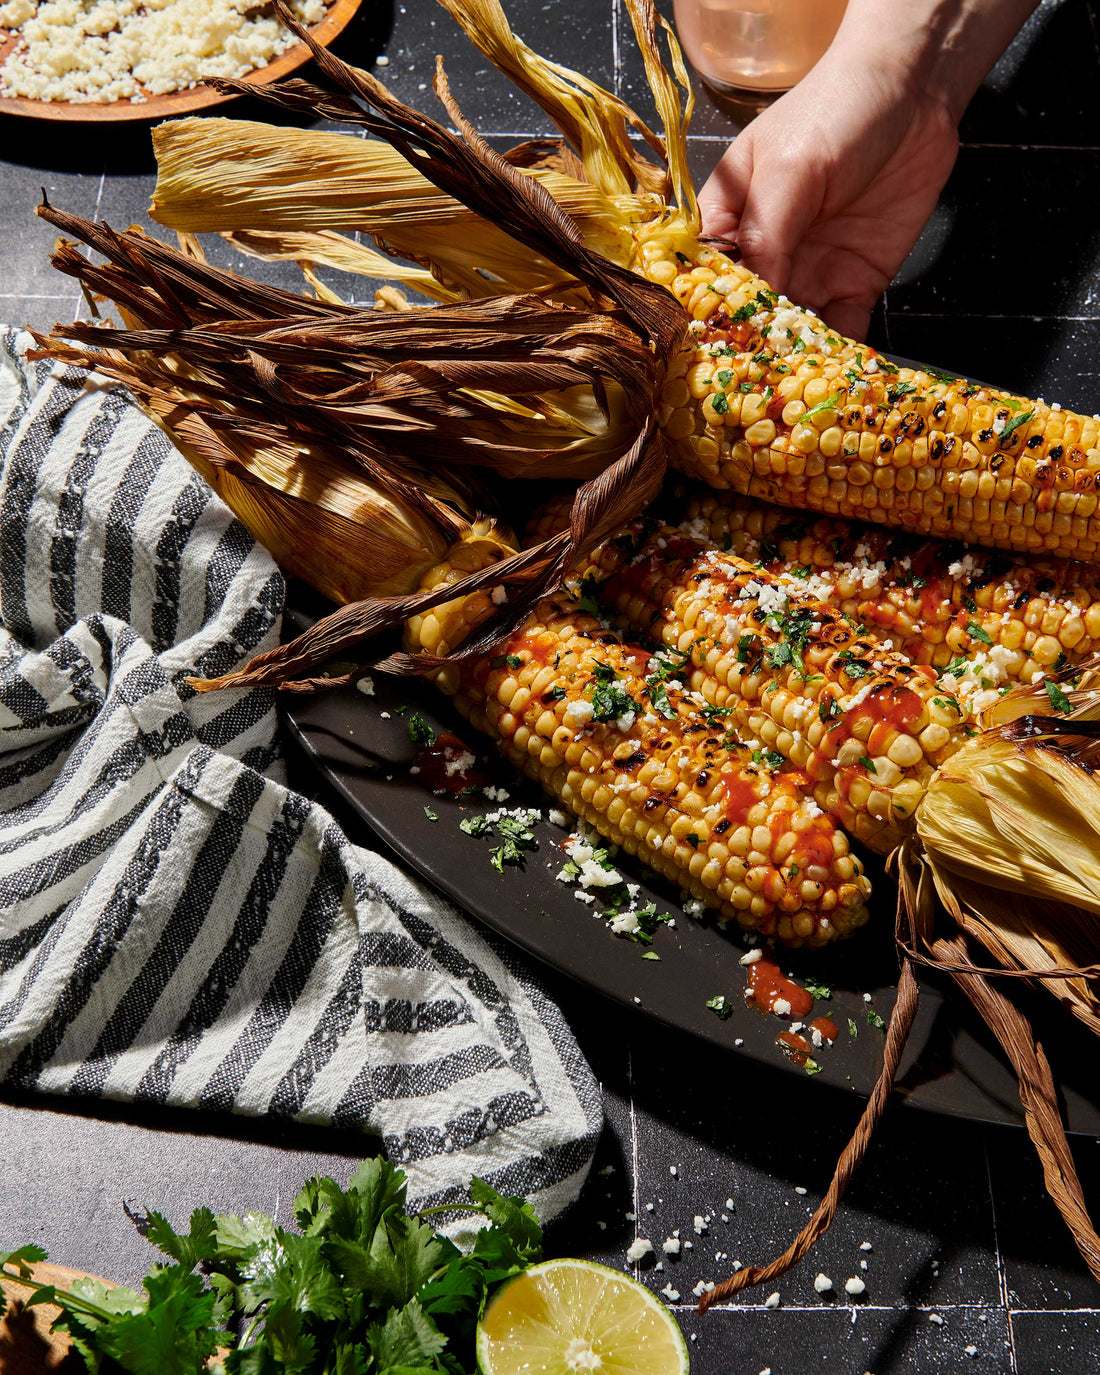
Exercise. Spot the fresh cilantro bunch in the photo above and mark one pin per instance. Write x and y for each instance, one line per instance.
(362, 1289)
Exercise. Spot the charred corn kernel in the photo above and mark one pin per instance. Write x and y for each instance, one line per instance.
(648, 767)
(864, 727)
(936, 603)
(970, 441)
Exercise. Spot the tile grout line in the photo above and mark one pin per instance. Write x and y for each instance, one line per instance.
(635, 1192)
(1002, 1278)
(616, 51)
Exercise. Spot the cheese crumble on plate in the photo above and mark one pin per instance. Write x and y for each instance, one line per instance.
(103, 51)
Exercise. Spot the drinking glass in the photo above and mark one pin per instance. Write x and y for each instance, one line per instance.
(756, 45)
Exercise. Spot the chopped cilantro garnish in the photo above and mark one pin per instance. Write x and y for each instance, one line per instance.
(948, 702)
(474, 825)
(650, 955)
(420, 733)
(610, 699)
(812, 1067)
(853, 1030)
(822, 992)
(719, 403)
(829, 404)
(772, 758)
(516, 838)
(1011, 426)
(1058, 699)
(801, 570)
(554, 694)
(658, 697)
(868, 763)
(749, 649)
(873, 1019)
(974, 630)
(828, 708)
(969, 604)
(720, 1006)
(693, 839)
(895, 393)
(432, 816)
(586, 596)
(713, 713)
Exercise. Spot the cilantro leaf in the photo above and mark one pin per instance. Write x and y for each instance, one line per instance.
(720, 1006)
(873, 1019)
(829, 404)
(474, 825)
(1011, 426)
(420, 733)
(818, 990)
(974, 630)
(407, 1337)
(1058, 699)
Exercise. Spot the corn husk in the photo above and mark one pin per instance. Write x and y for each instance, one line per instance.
(227, 176)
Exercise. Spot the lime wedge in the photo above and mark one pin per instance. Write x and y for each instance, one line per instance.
(570, 1315)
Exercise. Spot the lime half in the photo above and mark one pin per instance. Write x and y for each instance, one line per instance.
(570, 1315)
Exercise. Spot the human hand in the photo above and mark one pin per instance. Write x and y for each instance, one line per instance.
(827, 190)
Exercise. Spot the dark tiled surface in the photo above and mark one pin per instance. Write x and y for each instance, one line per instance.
(1000, 286)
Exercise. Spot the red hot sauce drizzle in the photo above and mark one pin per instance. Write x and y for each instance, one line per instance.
(768, 985)
(448, 766)
(826, 1028)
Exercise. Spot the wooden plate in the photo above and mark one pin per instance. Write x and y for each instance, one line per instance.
(27, 1346)
(339, 15)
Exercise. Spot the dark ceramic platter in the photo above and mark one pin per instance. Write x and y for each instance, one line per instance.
(950, 1064)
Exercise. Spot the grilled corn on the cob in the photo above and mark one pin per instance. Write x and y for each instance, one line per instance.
(979, 614)
(767, 400)
(616, 738)
(868, 728)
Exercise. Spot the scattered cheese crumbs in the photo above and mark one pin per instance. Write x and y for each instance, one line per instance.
(577, 714)
(494, 794)
(739, 1041)
(461, 763)
(557, 818)
(703, 1287)
(649, 1207)
(499, 595)
(602, 1226)
(96, 51)
(384, 715)
(625, 924)
(935, 1317)
(671, 1294)
(863, 1265)
(799, 1189)
(823, 1284)
(725, 1217)
(694, 908)
(695, 1335)
(866, 1246)
(700, 1225)
(773, 1300)
(854, 1286)
(671, 1246)
(631, 1217)
(867, 997)
(672, 1170)
(767, 1370)
(781, 1007)
(970, 1350)
(365, 685)
(639, 1249)
(751, 956)
(729, 1204)
(660, 1265)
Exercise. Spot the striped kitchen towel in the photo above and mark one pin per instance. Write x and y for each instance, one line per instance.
(178, 927)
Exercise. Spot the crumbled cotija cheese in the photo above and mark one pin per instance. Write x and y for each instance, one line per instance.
(102, 51)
